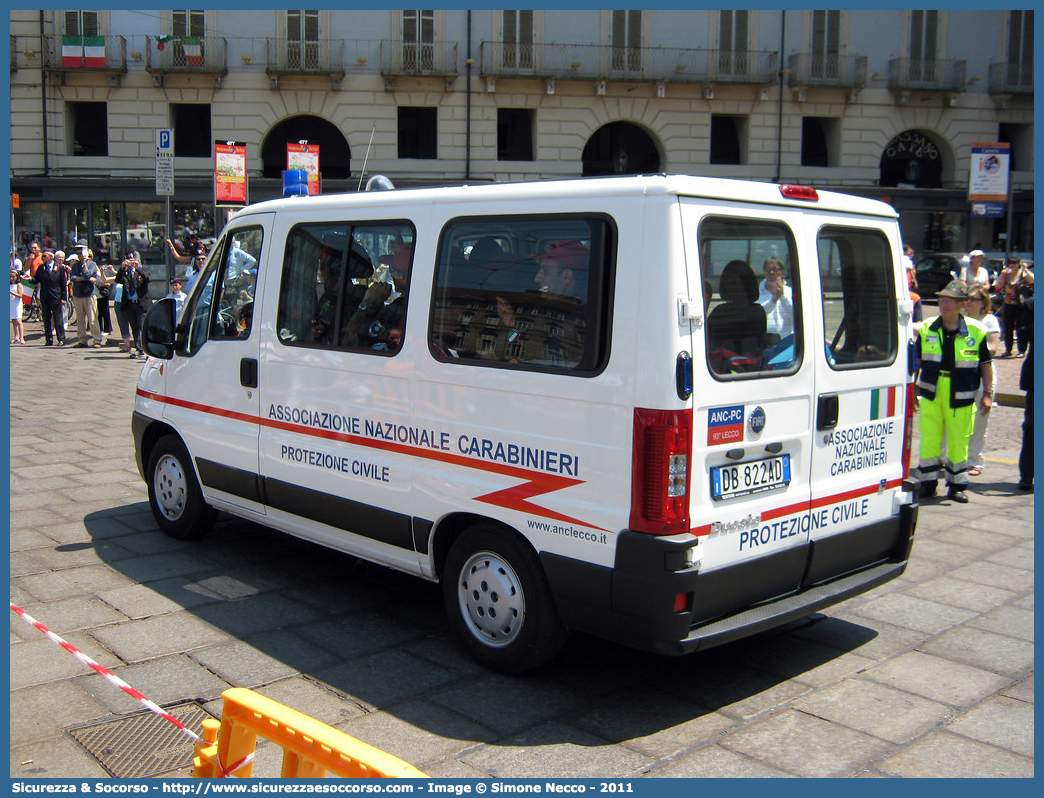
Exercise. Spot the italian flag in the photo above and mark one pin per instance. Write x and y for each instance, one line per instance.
(882, 403)
(72, 51)
(193, 51)
(94, 51)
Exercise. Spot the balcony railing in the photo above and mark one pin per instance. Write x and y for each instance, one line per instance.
(187, 55)
(286, 58)
(1009, 78)
(103, 54)
(915, 74)
(608, 62)
(827, 71)
(419, 59)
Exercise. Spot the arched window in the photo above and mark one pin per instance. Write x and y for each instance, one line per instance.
(911, 159)
(620, 148)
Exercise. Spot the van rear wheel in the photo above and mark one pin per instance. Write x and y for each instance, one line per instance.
(174, 495)
(499, 603)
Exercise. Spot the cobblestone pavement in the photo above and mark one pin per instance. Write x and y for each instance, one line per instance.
(929, 675)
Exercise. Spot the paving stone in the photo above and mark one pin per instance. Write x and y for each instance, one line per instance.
(152, 567)
(877, 641)
(136, 641)
(168, 680)
(945, 755)
(62, 617)
(28, 539)
(1003, 722)
(1014, 557)
(716, 762)
(72, 582)
(986, 650)
(380, 680)
(961, 593)
(418, 732)
(314, 700)
(506, 704)
(938, 679)
(738, 691)
(1021, 690)
(355, 635)
(139, 601)
(43, 712)
(1012, 621)
(805, 745)
(61, 757)
(41, 661)
(653, 722)
(875, 709)
(257, 613)
(914, 613)
(554, 750)
(988, 573)
(242, 665)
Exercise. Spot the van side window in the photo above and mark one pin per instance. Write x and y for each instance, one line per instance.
(859, 297)
(237, 271)
(345, 286)
(750, 285)
(524, 292)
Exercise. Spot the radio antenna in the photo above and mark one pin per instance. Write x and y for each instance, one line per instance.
(362, 174)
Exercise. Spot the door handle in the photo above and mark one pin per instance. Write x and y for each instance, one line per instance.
(827, 411)
(248, 372)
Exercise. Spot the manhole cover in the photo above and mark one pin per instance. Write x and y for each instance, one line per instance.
(143, 744)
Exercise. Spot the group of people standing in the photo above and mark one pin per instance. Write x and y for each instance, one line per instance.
(60, 279)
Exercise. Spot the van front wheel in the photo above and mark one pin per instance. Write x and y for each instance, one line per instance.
(174, 495)
(499, 602)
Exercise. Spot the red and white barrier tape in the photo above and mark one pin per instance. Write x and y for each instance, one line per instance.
(116, 680)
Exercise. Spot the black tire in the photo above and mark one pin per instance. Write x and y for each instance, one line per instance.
(174, 496)
(498, 601)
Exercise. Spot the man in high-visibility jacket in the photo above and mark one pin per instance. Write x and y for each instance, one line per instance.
(954, 357)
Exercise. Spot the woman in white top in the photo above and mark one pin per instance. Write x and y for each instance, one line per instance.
(978, 308)
(975, 271)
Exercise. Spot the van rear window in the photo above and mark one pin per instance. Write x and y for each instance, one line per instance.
(524, 292)
(859, 297)
(751, 284)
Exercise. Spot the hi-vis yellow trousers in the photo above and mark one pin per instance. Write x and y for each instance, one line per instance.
(938, 422)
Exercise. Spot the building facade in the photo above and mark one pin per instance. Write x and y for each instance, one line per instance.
(884, 103)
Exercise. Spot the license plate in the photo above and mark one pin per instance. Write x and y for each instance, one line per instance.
(745, 479)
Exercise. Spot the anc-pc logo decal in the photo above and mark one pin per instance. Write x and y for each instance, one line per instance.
(724, 425)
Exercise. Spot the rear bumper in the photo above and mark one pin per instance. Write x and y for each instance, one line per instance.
(634, 602)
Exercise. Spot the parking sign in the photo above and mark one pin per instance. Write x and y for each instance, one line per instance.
(165, 162)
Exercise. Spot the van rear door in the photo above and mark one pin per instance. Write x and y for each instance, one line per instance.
(752, 402)
(861, 379)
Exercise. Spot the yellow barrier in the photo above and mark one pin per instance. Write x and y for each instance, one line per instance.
(310, 749)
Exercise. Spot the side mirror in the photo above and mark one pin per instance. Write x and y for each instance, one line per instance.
(158, 332)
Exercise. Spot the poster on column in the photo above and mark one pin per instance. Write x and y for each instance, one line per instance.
(305, 156)
(230, 177)
(988, 181)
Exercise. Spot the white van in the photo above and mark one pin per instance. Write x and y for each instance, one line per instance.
(575, 404)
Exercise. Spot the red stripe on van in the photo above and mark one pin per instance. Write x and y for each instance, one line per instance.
(790, 509)
(515, 497)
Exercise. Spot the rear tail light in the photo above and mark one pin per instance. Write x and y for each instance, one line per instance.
(660, 471)
(911, 392)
